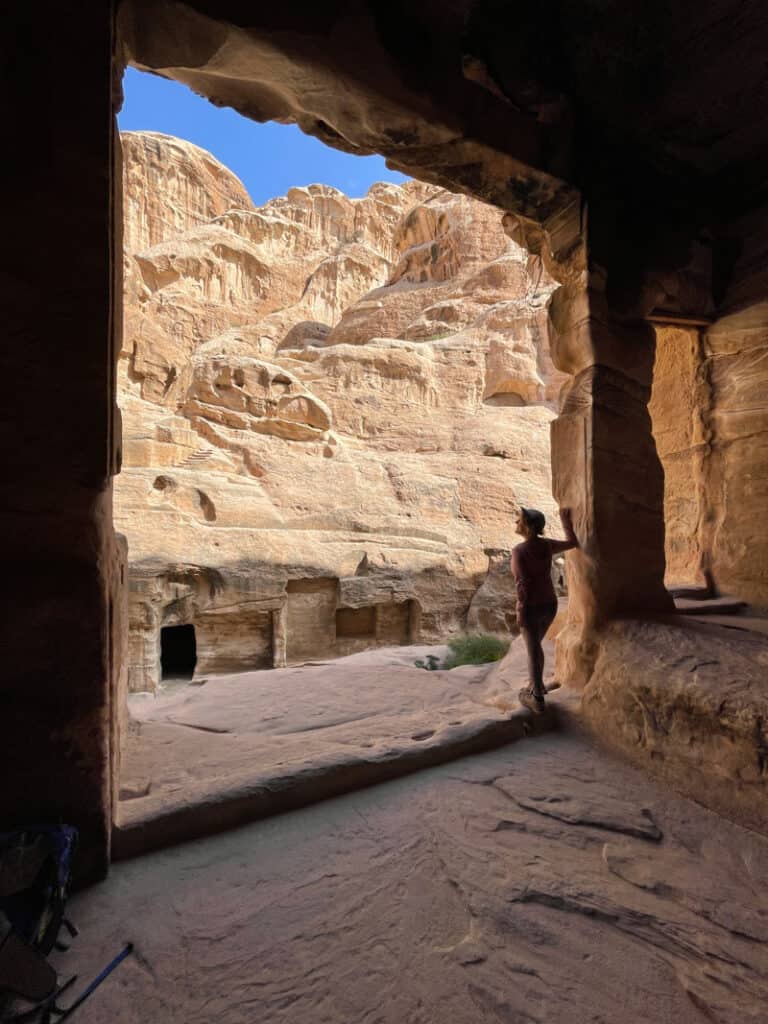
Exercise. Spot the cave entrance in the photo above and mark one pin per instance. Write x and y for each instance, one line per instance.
(178, 652)
(233, 285)
(275, 459)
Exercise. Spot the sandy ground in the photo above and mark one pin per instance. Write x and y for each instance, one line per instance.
(544, 882)
(199, 743)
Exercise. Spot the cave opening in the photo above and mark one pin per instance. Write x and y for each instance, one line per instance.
(178, 652)
(293, 356)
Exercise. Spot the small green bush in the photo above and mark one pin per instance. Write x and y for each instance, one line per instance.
(475, 649)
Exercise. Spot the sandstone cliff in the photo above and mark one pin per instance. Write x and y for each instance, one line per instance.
(330, 406)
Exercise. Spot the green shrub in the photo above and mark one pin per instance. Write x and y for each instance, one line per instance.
(475, 649)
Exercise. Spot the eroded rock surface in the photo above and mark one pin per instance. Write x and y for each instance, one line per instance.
(171, 186)
(443, 897)
(688, 701)
(330, 409)
(237, 745)
(711, 426)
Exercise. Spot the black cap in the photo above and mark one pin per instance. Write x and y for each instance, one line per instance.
(534, 518)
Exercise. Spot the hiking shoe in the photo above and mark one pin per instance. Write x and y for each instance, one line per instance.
(531, 700)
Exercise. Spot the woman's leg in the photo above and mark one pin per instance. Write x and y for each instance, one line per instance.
(543, 621)
(538, 679)
(529, 635)
(533, 632)
(532, 696)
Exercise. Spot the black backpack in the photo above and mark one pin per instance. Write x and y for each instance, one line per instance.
(35, 870)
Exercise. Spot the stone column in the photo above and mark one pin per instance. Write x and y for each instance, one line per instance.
(280, 636)
(605, 467)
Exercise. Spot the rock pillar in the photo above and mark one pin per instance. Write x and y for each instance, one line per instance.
(280, 636)
(605, 467)
(63, 567)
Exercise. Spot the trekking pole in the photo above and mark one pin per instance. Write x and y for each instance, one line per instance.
(97, 981)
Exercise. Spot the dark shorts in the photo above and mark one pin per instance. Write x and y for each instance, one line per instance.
(539, 617)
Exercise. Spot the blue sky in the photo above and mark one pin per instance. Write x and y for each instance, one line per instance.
(268, 158)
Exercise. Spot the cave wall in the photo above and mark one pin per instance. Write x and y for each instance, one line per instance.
(710, 421)
(736, 374)
(733, 530)
(64, 567)
(58, 415)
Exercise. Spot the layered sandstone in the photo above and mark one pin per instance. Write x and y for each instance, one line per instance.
(710, 421)
(735, 367)
(331, 407)
(162, 199)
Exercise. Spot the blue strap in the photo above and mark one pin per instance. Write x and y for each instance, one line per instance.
(97, 981)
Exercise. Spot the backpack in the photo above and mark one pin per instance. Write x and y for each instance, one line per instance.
(35, 869)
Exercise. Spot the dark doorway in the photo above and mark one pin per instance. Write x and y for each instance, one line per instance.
(178, 652)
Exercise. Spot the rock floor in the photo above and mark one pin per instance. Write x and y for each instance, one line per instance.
(545, 882)
(242, 736)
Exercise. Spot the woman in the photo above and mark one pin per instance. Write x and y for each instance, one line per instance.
(536, 598)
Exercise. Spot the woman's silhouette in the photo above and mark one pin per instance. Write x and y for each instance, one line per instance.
(536, 598)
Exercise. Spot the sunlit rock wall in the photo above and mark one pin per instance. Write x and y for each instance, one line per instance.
(331, 408)
(710, 416)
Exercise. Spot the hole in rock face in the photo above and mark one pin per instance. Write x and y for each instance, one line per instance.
(178, 652)
(207, 506)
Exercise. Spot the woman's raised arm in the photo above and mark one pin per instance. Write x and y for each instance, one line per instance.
(571, 541)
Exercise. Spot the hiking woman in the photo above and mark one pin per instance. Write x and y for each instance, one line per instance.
(536, 598)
